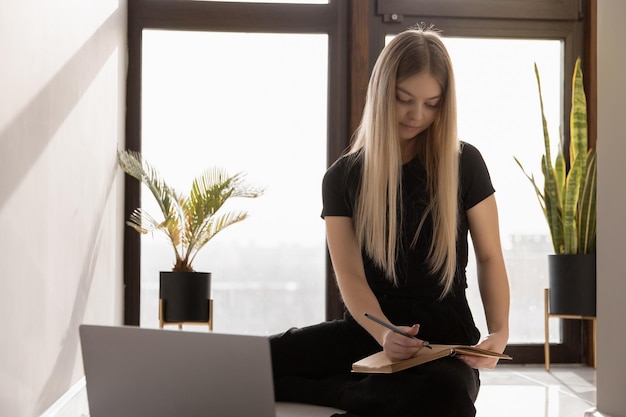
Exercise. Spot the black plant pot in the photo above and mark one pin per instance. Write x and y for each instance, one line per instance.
(185, 296)
(572, 284)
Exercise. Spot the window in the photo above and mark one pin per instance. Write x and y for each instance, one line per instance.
(253, 103)
(244, 86)
(498, 108)
(498, 112)
(354, 33)
(493, 62)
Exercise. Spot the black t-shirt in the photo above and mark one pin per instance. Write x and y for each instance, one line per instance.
(340, 188)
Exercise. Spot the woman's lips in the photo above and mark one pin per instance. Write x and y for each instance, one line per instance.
(410, 127)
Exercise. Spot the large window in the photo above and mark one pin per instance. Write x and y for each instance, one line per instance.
(498, 107)
(277, 88)
(258, 88)
(253, 103)
(493, 50)
(498, 112)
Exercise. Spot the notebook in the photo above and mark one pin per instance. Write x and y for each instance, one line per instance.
(135, 372)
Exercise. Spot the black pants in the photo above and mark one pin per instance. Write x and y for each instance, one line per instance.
(312, 365)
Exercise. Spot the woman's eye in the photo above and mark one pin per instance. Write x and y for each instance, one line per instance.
(432, 106)
(403, 100)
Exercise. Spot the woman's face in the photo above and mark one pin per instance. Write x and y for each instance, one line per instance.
(417, 103)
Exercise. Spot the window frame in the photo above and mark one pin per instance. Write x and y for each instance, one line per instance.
(491, 9)
(189, 15)
(494, 19)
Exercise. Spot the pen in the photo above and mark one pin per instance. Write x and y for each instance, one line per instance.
(395, 329)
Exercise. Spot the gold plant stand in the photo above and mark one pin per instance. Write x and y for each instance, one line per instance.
(548, 316)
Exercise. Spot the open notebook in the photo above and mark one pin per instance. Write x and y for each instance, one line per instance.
(135, 372)
(379, 363)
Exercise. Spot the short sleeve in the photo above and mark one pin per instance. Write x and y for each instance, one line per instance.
(339, 188)
(475, 180)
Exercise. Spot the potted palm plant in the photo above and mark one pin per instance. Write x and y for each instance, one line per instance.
(568, 200)
(189, 222)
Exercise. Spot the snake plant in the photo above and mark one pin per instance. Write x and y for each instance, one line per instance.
(568, 197)
(189, 222)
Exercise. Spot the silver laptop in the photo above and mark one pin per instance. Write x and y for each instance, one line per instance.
(134, 372)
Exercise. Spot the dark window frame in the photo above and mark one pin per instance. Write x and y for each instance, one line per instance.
(560, 20)
(189, 15)
(491, 9)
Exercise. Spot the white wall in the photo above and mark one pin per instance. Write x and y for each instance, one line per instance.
(62, 89)
(611, 366)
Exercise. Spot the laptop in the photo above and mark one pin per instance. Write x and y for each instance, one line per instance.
(136, 372)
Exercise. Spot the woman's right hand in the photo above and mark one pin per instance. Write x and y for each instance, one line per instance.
(398, 347)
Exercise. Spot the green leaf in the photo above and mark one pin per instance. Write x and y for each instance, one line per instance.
(570, 205)
(587, 207)
(568, 198)
(189, 222)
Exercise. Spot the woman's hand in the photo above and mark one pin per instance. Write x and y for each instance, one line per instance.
(399, 347)
(495, 342)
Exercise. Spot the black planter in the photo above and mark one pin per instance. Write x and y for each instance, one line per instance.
(185, 296)
(572, 284)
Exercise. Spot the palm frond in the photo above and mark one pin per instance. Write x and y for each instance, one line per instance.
(143, 222)
(189, 222)
(134, 165)
(211, 228)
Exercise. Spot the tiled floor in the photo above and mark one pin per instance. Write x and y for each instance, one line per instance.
(530, 391)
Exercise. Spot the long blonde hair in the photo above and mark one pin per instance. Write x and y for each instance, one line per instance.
(377, 222)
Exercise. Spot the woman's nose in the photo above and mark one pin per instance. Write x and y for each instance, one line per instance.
(416, 113)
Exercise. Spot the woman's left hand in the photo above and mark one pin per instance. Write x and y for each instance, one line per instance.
(495, 342)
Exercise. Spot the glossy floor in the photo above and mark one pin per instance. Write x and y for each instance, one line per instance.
(507, 391)
(530, 391)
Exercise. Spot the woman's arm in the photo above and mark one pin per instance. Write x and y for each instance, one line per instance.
(492, 278)
(357, 295)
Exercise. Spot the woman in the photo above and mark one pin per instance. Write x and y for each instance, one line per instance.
(397, 208)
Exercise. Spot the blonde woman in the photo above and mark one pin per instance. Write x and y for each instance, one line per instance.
(398, 208)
